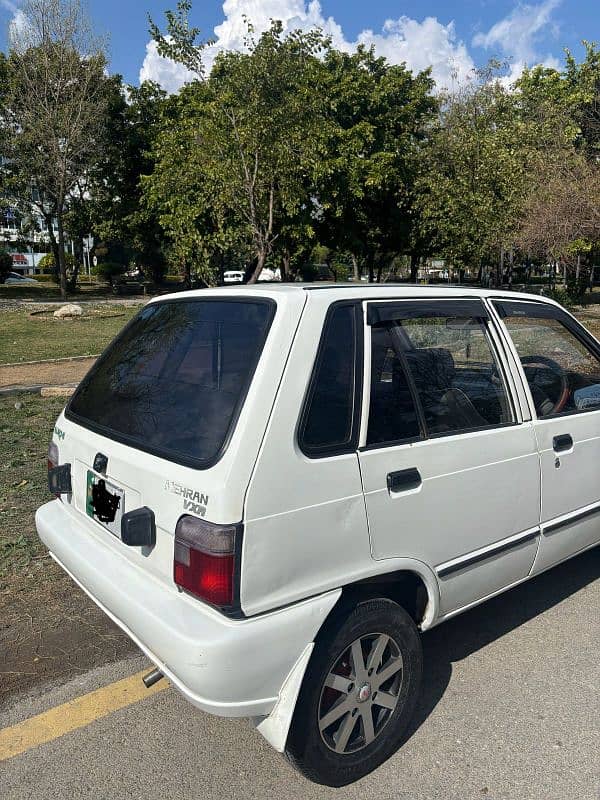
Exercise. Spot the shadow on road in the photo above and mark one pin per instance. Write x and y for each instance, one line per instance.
(472, 630)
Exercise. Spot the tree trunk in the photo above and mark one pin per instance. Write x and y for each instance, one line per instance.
(414, 267)
(261, 257)
(62, 261)
(72, 284)
(187, 274)
(284, 268)
(371, 265)
(221, 268)
(511, 264)
(355, 267)
(500, 268)
(53, 243)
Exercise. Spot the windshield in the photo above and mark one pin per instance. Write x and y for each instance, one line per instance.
(175, 379)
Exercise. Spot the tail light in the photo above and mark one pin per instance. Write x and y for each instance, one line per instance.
(53, 458)
(206, 560)
(59, 475)
(52, 455)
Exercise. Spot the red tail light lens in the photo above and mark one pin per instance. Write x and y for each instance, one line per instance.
(205, 560)
(53, 458)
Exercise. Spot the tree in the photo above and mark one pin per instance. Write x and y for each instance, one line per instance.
(476, 172)
(258, 136)
(561, 216)
(562, 213)
(55, 110)
(380, 113)
(117, 211)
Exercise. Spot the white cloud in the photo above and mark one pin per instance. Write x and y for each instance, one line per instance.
(517, 36)
(420, 44)
(170, 75)
(18, 22)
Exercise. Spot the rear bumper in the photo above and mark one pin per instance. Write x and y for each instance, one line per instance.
(233, 668)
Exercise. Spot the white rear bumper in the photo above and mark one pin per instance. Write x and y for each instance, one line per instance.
(233, 668)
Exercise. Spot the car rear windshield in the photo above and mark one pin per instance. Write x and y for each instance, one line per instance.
(174, 381)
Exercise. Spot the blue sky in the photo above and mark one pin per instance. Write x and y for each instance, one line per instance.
(451, 37)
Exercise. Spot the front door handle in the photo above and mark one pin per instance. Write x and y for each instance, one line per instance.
(562, 443)
(404, 480)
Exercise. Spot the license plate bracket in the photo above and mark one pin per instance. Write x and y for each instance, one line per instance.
(105, 502)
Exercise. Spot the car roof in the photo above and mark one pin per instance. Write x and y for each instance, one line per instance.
(331, 292)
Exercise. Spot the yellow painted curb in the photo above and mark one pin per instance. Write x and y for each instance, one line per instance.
(75, 714)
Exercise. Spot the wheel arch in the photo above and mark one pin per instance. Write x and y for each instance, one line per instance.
(409, 583)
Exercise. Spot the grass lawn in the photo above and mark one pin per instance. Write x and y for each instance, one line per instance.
(49, 630)
(25, 433)
(34, 338)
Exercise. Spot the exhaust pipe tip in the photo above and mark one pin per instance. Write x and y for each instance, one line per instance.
(152, 677)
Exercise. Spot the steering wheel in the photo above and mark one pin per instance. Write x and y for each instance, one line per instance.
(545, 405)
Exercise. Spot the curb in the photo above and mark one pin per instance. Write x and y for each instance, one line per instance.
(49, 361)
(65, 390)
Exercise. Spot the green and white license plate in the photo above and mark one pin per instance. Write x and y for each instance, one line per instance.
(104, 502)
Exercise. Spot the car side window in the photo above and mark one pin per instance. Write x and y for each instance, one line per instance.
(329, 422)
(434, 373)
(392, 410)
(455, 370)
(563, 373)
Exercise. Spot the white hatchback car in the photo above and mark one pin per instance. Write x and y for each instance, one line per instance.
(273, 489)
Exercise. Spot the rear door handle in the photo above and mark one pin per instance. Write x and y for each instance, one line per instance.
(562, 443)
(404, 480)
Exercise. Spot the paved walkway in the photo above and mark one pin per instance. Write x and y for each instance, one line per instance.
(44, 373)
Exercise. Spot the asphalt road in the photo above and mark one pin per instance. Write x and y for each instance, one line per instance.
(511, 710)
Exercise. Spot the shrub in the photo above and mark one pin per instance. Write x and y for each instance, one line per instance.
(571, 295)
(48, 267)
(108, 270)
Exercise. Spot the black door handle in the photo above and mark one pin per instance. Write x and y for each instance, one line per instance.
(404, 480)
(562, 443)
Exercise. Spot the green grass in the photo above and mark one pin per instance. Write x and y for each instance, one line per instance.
(34, 338)
(25, 433)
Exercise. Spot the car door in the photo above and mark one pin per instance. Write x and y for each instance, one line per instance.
(450, 470)
(561, 368)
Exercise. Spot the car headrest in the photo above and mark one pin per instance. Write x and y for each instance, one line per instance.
(432, 367)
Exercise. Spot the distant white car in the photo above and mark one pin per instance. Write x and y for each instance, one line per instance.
(269, 275)
(233, 276)
(17, 280)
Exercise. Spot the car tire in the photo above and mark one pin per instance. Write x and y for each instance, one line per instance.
(358, 695)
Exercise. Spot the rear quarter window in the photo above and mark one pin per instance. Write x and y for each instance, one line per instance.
(175, 379)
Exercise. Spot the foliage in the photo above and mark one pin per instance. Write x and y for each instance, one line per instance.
(366, 196)
(48, 266)
(475, 176)
(249, 140)
(116, 210)
(180, 42)
(53, 112)
(108, 270)
(290, 153)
